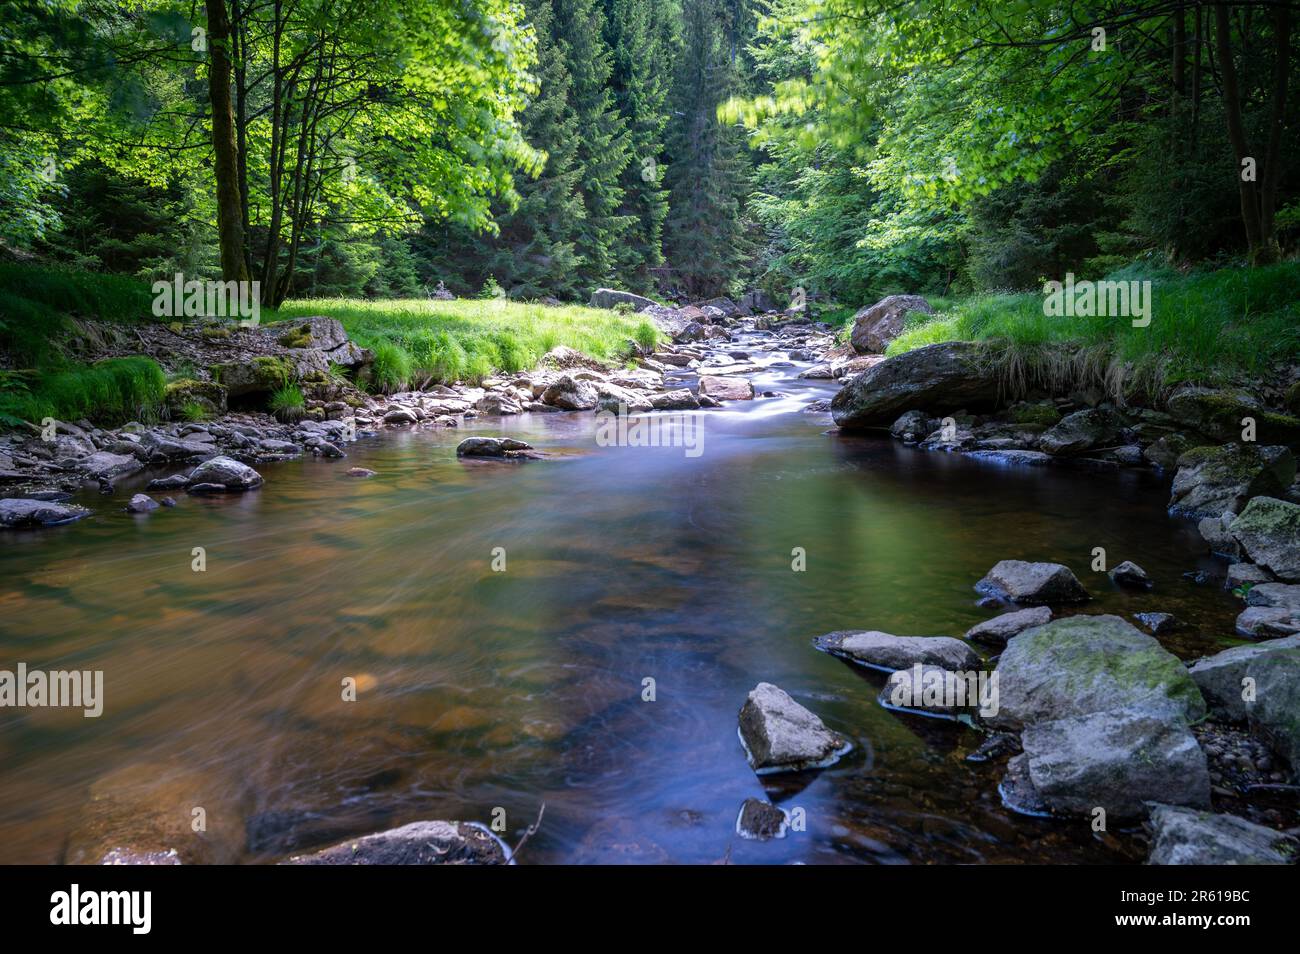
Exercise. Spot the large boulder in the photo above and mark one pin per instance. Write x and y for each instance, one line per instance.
(937, 378)
(419, 843)
(1186, 836)
(779, 735)
(17, 512)
(261, 375)
(609, 297)
(225, 472)
(875, 326)
(103, 465)
(1220, 414)
(1032, 584)
(1083, 664)
(889, 653)
(1269, 531)
(1214, 480)
(1116, 760)
(1082, 431)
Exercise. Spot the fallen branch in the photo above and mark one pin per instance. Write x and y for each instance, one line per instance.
(528, 833)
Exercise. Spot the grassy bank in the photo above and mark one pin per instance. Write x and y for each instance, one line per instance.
(1227, 326)
(416, 341)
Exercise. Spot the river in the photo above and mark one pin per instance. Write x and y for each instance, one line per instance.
(481, 689)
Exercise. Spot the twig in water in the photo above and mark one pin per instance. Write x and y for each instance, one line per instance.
(529, 832)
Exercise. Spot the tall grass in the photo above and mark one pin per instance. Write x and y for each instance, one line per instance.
(113, 390)
(419, 342)
(1213, 327)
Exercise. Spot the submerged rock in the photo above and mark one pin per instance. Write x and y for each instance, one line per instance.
(779, 735)
(938, 378)
(998, 630)
(225, 473)
(1269, 531)
(1185, 836)
(1115, 759)
(419, 843)
(1159, 623)
(1083, 664)
(761, 821)
(889, 653)
(16, 512)
(1032, 583)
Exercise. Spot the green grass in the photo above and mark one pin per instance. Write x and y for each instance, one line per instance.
(1218, 327)
(287, 403)
(114, 390)
(419, 342)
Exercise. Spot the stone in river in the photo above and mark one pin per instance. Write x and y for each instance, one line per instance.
(21, 512)
(224, 472)
(1186, 836)
(1032, 583)
(419, 843)
(1131, 575)
(998, 630)
(889, 653)
(761, 821)
(725, 388)
(779, 735)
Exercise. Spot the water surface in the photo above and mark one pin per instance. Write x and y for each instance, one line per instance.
(482, 690)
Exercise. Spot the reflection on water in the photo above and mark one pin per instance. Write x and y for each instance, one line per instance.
(482, 689)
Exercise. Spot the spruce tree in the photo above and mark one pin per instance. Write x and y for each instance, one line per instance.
(708, 167)
(639, 35)
(603, 148)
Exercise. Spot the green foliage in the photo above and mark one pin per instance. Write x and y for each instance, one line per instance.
(194, 412)
(646, 336)
(392, 368)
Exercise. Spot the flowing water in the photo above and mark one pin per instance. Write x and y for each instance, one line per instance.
(482, 690)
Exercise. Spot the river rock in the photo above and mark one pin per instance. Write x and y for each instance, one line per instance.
(571, 393)
(1032, 583)
(1186, 836)
(1082, 431)
(492, 447)
(912, 427)
(1269, 531)
(1131, 575)
(680, 399)
(1213, 480)
(106, 466)
(1011, 457)
(419, 843)
(931, 691)
(1083, 664)
(1214, 531)
(401, 415)
(498, 403)
(609, 297)
(875, 326)
(1220, 677)
(1158, 623)
(724, 388)
(141, 503)
(1220, 414)
(174, 482)
(225, 472)
(207, 396)
(888, 653)
(937, 378)
(1115, 759)
(999, 629)
(1267, 622)
(779, 735)
(761, 821)
(16, 512)
(1245, 574)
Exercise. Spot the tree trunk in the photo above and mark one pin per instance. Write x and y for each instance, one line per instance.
(230, 224)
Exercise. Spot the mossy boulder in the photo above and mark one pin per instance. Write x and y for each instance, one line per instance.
(260, 375)
(1269, 531)
(1084, 664)
(1083, 431)
(1214, 480)
(1221, 414)
(208, 396)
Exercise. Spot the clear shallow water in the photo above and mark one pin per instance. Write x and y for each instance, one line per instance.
(482, 689)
